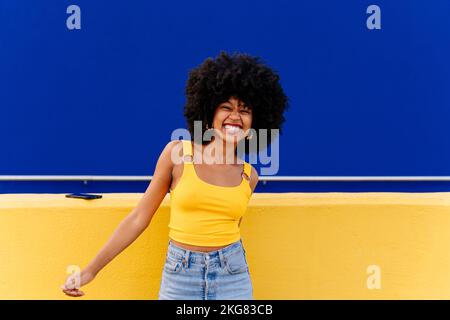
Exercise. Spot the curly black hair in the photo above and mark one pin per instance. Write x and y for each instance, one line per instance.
(243, 77)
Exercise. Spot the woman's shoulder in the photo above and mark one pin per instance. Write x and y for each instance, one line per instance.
(174, 144)
(254, 172)
(254, 177)
(172, 151)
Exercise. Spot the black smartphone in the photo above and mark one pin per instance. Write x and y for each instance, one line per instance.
(83, 196)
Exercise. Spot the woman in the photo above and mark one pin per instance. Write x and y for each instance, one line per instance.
(233, 96)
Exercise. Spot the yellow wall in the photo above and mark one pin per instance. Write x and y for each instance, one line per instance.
(299, 245)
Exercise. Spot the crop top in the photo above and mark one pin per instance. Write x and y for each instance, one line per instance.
(204, 214)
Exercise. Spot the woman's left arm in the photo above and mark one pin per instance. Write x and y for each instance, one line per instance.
(254, 178)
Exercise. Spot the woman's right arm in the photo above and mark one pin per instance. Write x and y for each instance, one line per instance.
(133, 224)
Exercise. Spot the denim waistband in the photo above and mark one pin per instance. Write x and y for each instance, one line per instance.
(197, 257)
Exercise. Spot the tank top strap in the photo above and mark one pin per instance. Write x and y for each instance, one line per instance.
(247, 170)
(187, 152)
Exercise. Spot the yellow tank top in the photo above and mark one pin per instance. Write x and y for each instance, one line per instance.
(204, 214)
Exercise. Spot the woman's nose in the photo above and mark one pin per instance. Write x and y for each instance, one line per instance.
(235, 114)
(234, 119)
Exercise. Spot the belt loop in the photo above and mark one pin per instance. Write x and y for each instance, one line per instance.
(221, 259)
(186, 258)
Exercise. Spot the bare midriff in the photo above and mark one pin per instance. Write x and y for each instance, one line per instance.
(196, 248)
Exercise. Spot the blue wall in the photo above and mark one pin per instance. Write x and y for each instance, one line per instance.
(103, 100)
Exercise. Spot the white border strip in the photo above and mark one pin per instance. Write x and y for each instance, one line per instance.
(261, 178)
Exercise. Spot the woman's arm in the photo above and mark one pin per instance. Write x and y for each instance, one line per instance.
(254, 178)
(138, 220)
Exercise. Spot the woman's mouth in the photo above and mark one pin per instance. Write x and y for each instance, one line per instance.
(232, 130)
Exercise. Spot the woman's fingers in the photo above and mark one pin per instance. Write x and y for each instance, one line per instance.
(77, 293)
(72, 292)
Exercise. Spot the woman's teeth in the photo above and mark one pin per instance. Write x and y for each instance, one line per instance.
(232, 129)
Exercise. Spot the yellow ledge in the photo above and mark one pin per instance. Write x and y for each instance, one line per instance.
(299, 246)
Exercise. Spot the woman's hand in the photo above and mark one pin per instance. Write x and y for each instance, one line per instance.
(72, 287)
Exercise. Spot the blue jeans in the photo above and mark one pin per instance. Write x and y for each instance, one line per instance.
(217, 275)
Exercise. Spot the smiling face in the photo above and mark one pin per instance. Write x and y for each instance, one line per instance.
(232, 120)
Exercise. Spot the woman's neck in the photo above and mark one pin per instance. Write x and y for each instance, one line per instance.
(216, 152)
